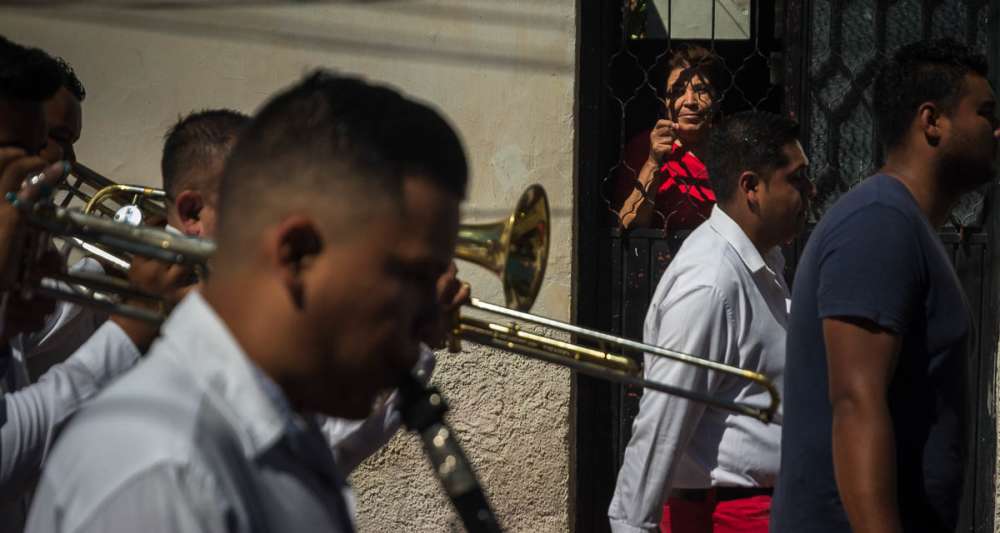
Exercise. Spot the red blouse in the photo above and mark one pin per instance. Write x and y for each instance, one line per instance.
(684, 199)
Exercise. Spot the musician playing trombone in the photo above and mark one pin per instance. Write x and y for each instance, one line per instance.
(195, 150)
(306, 311)
(31, 414)
(723, 297)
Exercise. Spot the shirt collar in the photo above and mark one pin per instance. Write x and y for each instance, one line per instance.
(200, 341)
(729, 230)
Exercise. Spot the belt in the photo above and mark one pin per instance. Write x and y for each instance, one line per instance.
(720, 494)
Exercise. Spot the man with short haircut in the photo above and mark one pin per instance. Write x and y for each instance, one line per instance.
(306, 311)
(723, 298)
(194, 153)
(195, 150)
(874, 399)
(65, 330)
(64, 112)
(31, 414)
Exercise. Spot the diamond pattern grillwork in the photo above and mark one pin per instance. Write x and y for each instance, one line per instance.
(847, 40)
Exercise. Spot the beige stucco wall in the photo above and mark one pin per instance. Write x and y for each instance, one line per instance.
(503, 71)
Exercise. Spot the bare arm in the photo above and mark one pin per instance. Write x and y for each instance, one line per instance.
(637, 209)
(861, 359)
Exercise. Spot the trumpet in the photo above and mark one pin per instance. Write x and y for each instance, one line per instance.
(516, 249)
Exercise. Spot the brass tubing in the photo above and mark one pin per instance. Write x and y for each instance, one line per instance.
(601, 363)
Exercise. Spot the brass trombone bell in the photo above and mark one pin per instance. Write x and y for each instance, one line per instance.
(515, 248)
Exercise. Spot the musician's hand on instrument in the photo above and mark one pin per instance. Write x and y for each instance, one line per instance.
(662, 140)
(168, 281)
(452, 293)
(28, 315)
(18, 190)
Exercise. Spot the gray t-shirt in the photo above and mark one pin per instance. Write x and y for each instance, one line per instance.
(875, 256)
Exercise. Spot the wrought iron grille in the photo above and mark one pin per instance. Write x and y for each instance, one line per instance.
(740, 36)
(814, 60)
(846, 42)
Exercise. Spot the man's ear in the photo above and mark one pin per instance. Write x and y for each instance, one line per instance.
(296, 244)
(929, 119)
(748, 184)
(189, 205)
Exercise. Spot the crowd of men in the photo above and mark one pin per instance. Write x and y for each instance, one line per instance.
(251, 404)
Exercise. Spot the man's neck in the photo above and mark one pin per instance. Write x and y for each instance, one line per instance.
(751, 228)
(242, 319)
(921, 176)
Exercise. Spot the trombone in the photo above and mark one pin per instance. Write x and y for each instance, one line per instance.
(516, 249)
(123, 203)
(112, 239)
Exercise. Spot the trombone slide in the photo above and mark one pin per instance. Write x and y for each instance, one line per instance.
(600, 363)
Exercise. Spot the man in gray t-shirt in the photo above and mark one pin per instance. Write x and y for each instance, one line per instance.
(873, 428)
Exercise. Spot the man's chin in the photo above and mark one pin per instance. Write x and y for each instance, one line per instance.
(353, 407)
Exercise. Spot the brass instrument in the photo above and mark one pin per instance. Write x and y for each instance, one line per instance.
(517, 249)
(101, 196)
(114, 240)
(102, 190)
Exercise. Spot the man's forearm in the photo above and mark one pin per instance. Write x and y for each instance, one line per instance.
(864, 461)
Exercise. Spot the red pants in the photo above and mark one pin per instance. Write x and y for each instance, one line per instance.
(744, 515)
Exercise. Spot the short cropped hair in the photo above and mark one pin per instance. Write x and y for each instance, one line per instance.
(197, 140)
(924, 71)
(339, 146)
(70, 80)
(747, 141)
(27, 74)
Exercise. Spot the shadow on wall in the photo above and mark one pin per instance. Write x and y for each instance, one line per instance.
(455, 33)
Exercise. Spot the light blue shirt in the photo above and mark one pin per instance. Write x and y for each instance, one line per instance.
(191, 440)
(719, 299)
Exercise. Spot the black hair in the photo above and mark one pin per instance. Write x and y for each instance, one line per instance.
(70, 80)
(194, 141)
(924, 71)
(334, 138)
(747, 141)
(27, 74)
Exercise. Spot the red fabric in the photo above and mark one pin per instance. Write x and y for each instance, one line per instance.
(745, 515)
(685, 198)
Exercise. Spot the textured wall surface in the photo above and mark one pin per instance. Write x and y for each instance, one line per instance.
(503, 71)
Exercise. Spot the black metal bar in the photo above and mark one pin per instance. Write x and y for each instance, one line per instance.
(591, 466)
(796, 52)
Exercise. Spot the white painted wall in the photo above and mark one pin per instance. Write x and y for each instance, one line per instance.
(501, 70)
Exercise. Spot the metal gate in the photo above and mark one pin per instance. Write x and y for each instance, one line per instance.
(812, 59)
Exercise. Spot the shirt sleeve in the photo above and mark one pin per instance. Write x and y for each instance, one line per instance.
(354, 441)
(872, 268)
(163, 499)
(697, 322)
(32, 415)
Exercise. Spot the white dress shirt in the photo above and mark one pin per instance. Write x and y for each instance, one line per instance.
(33, 413)
(195, 438)
(353, 441)
(721, 300)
